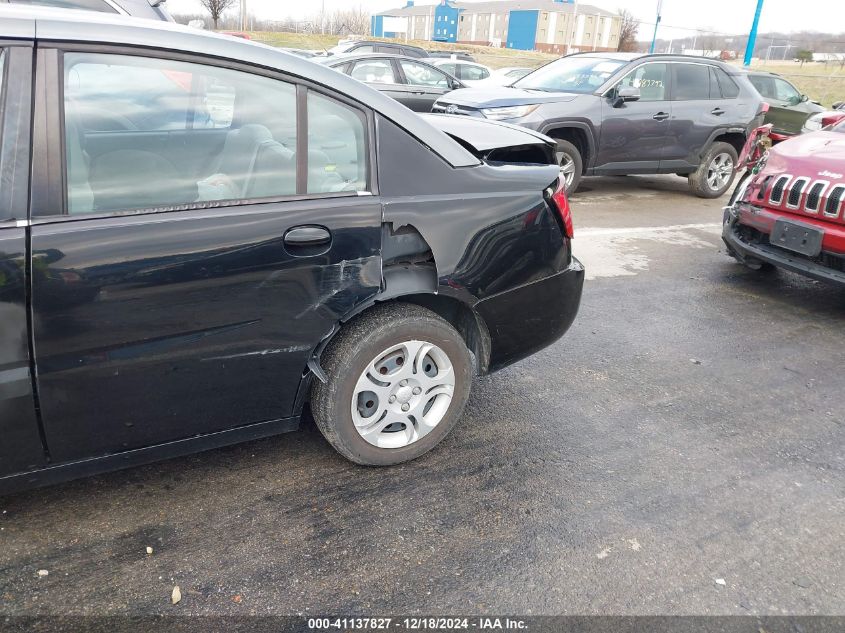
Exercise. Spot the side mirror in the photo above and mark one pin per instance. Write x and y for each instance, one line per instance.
(626, 94)
(804, 99)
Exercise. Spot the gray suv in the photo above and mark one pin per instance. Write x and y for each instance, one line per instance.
(628, 113)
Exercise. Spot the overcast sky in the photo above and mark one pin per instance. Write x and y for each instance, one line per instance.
(722, 16)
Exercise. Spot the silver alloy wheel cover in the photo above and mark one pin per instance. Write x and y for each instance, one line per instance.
(567, 168)
(720, 171)
(407, 403)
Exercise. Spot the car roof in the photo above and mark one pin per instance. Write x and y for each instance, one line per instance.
(351, 57)
(628, 57)
(396, 44)
(759, 73)
(436, 61)
(70, 25)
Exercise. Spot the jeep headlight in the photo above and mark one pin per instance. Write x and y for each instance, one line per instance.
(509, 112)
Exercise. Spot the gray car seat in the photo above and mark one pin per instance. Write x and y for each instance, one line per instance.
(254, 164)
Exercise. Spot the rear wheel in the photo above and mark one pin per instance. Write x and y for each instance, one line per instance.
(716, 171)
(571, 165)
(398, 379)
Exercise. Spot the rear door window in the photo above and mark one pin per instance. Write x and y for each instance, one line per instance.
(337, 146)
(374, 71)
(148, 133)
(727, 86)
(691, 82)
(421, 75)
(473, 73)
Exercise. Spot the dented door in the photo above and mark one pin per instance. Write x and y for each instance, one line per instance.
(160, 327)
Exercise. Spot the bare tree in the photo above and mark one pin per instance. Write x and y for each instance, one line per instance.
(216, 8)
(344, 22)
(628, 31)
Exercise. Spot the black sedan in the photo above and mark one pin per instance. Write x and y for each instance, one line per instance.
(170, 284)
(412, 82)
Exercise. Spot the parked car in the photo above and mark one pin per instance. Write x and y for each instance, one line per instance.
(470, 73)
(788, 210)
(301, 52)
(461, 55)
(506, 76)
(788, 108)
(151, 9)
(360, 47)
(628, 113)
(825, 119)
(167, 289)
(414, 83)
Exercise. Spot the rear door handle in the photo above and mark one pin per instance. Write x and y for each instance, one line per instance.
(307, 236)
(418, 92)
(717, 111)
(661, 116)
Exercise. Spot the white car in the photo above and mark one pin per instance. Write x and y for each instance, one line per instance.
(470, 73)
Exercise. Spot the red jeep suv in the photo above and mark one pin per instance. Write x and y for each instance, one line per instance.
(788, 211)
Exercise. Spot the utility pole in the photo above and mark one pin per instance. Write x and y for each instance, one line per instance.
(243, 15)
(752, 36)
(574, 28)
(656, 24)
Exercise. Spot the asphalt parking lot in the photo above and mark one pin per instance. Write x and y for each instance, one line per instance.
(678, 452)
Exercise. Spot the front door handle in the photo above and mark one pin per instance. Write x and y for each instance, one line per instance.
(307, 236)
(717, 111)
(661, 116)
(418, 92)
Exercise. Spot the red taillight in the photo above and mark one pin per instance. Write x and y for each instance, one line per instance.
(832, 119)
(765, 108)
(561, 203)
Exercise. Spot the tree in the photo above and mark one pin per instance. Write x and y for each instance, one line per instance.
(216, 8)
(628, 31)
(804, 56)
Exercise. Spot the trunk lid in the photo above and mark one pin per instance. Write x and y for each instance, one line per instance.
(496, 142)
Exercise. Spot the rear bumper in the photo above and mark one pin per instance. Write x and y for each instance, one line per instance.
(526, 319)
(745, 250)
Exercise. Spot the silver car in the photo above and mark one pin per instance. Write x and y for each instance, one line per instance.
(150, 9)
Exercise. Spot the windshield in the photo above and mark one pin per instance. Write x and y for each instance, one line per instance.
(839, 127)
(571, 74)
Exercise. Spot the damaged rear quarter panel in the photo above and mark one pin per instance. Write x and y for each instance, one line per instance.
(488, 226)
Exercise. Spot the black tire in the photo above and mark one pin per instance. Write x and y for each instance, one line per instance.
(566, 148)
(698, 179)
(358, 344)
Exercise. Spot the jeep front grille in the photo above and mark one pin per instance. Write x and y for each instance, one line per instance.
(805, 195)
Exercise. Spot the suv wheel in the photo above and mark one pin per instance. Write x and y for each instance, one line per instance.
(571, 165)
(716, 171)
(398, 379)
